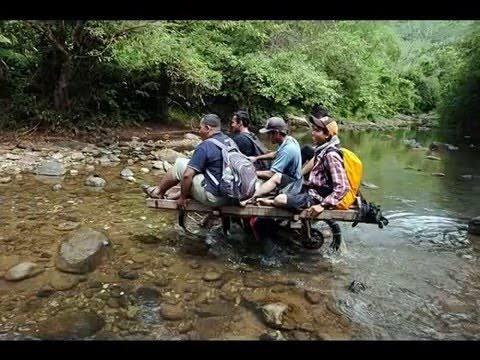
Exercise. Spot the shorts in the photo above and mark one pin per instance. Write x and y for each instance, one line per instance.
(301, 201)
(197, 190)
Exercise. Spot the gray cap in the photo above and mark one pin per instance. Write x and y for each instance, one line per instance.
(274, 123)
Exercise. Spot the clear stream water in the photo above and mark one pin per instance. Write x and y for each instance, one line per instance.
(421, 272)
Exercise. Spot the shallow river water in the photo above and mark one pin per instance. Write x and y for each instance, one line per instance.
(420, 274)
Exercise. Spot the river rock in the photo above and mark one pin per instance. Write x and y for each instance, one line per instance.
(356, 286)
(438, 174)
(8, 261)
(218, 308)
(68, 225)
(128, 274)
(71, 325)
(57, 187)
(50, 168)
(145, 170)
(96, 181)
(89, 168)
(5, 180)
(81, 251)
(172, 312)
(73, 172)
(13, 157)
(157, 165)
(431, 157)
(23, 271)
(190, 136)
(167, 155)
(126, 173)
(273, 314)
(77, 156)
(442, 146)
(166, 166)
(212, 276)
(474, 226)
(62, 282)
(369, 185)
(313, 297)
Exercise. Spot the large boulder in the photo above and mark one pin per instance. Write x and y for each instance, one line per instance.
(81, 251)
(23, 271)
(167, 155)
(70, 325)
(51, 168)
(474, 226)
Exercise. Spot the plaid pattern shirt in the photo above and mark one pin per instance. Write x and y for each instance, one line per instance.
(329, 172)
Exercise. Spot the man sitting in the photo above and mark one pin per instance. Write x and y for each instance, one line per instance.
(200, 176)
(247, 142)
(328, 182)
(285, 173)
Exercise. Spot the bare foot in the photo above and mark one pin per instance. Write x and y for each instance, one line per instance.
(246, 202)
(265, 201)
(172, 195)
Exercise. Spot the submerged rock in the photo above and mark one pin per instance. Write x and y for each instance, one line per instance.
(369, 185)
(356, 286)
(51, 168)
(71, 325)
(62, 282)
(273, 314)
(442, 146)
(23, 271)
(474, 226)
(96, 181)
(438, 174)
(431, 157)
(81, 251)
(211, 276)
(5, 180)
(172, 312)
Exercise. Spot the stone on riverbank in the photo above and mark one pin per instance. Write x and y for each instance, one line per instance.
(431, 157)
(474, 226)
(62, 282)
(81, 251)
(126, 173)
(95, 181)
(70, 325)
(51, 168)
(23, 271)
(167, 155)
(5, 180)
(172, 312)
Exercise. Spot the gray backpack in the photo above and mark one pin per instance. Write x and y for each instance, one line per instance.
(238, 173)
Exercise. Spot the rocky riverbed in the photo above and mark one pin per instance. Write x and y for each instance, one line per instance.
(82, 257)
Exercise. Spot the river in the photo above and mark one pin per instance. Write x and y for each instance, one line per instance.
(420, 274)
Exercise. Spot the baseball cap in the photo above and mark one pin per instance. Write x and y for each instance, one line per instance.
(325, 122)
(274, 123)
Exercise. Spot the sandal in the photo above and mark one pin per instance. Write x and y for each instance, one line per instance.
(151, 191)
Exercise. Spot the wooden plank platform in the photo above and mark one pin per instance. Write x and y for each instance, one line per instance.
(253, 210)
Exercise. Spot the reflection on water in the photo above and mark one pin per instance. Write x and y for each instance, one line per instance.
(421, 271)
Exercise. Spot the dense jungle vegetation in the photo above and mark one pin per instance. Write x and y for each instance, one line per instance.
(83, 74)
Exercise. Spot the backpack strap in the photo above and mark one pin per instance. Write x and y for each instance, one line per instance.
(221, 146)
(255, 141)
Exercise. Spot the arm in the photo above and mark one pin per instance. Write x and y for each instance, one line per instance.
(267, 156)
(339, 180)
(185, 186)
(265, 174)
(307, 167)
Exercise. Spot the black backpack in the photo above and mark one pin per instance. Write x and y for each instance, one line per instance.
(260, 149)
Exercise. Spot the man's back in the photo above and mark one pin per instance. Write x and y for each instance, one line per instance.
(289, 162)
(208, 156)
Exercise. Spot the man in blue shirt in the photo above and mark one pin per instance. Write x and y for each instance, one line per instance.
(285, 174)
(200, 176)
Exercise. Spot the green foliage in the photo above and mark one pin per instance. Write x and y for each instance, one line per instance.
(110, 72)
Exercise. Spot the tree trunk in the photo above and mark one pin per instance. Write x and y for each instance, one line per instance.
(60, 92)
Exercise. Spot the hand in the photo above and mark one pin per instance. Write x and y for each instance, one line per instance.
(181, 202)
(314, 210)
(252, 158)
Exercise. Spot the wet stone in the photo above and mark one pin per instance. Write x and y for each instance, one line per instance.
(94, 284)
(23, 271)
(95, 181)
(45, 292)
(161, 281)
(128, 274)
(81, 251)
(62, 282)
(273, 314)
(5, 180)
(68, 226)
(356, 286)
(147, 294)
(212, 276)
(51, 168)
(172, 312)
(313, 297)
(474, 226)
(113, 303)
(71, 325)
(140, 258)
(218, 308)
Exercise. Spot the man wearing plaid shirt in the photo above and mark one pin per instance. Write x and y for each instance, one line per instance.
(327, 182)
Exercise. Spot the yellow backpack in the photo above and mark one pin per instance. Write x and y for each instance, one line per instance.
(354, 170)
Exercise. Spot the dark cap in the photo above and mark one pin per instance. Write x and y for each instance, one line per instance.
(274, 123)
